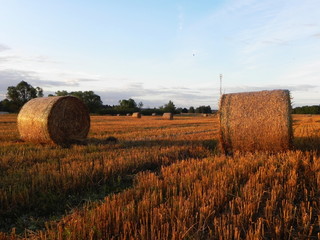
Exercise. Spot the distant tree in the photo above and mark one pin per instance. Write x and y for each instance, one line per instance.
(203, 109)
(62, 93)
(8, 106)
(22, 93)
(184, 110)
(140, 105)
(127, 104)
(169, 107)
(92, 100)
(178, 110)
(191, 110)
(315, 109)
(39, 92)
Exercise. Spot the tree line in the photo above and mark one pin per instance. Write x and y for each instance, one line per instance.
(315, 109)
(18, 95)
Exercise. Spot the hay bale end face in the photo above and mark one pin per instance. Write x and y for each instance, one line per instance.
(256, 121)
(168, 116)
(58, 120)
(136, 115)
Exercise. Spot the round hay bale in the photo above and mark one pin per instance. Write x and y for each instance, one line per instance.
(168, 116)
(256, 121)
(154, 114)
(205, 115)
(128, 114)
(136, 115)
(58, 120)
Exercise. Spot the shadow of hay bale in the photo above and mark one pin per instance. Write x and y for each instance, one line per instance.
(97, 141)
(307, 143)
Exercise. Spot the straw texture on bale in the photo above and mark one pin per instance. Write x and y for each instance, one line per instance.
(256, 121)
(136, 115)
(168, 116)
(58, 120)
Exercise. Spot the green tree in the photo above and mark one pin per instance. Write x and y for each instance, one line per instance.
(22, 93)
(191, 110)
(63, 93)
(92, 100)
(140, 105)
(127, 104)
(203, 109)
(169, 107)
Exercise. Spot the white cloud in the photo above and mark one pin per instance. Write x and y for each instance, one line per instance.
(3, 47)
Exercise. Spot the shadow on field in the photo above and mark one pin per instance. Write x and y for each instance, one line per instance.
(97, 141)
(53, 204)
(209, 144)
(307, 143)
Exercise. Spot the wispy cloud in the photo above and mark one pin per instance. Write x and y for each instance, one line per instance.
(316, 35)
(154, 97)
(4, 47)
(293, 88)
(180, 18)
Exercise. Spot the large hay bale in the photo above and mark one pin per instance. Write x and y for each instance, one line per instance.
(136, 115)
(256, 121)
(59, 120)
(168, 116)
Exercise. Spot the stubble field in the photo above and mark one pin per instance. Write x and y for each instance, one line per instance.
(161, 179)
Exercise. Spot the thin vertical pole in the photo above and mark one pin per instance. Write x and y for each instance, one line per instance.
(220, 85)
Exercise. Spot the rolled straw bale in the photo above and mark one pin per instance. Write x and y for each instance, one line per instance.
(128, 114)
(59, 120)
(254, 121)
(205, 115)
(154, 114)
(168, 116)
(136, 115)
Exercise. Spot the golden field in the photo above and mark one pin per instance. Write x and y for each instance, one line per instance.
(161, 179)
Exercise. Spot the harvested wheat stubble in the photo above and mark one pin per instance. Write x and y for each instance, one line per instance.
(59, 120)
(256, 121)
(168, 116)
(136, 115)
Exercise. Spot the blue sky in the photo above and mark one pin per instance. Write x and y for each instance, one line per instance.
(156, 51)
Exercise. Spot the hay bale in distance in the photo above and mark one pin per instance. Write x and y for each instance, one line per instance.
(255, 121)
(128, 114)
(205, 115)
(58, 120)
(154, 114)
(136, 115)
(168, 116)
